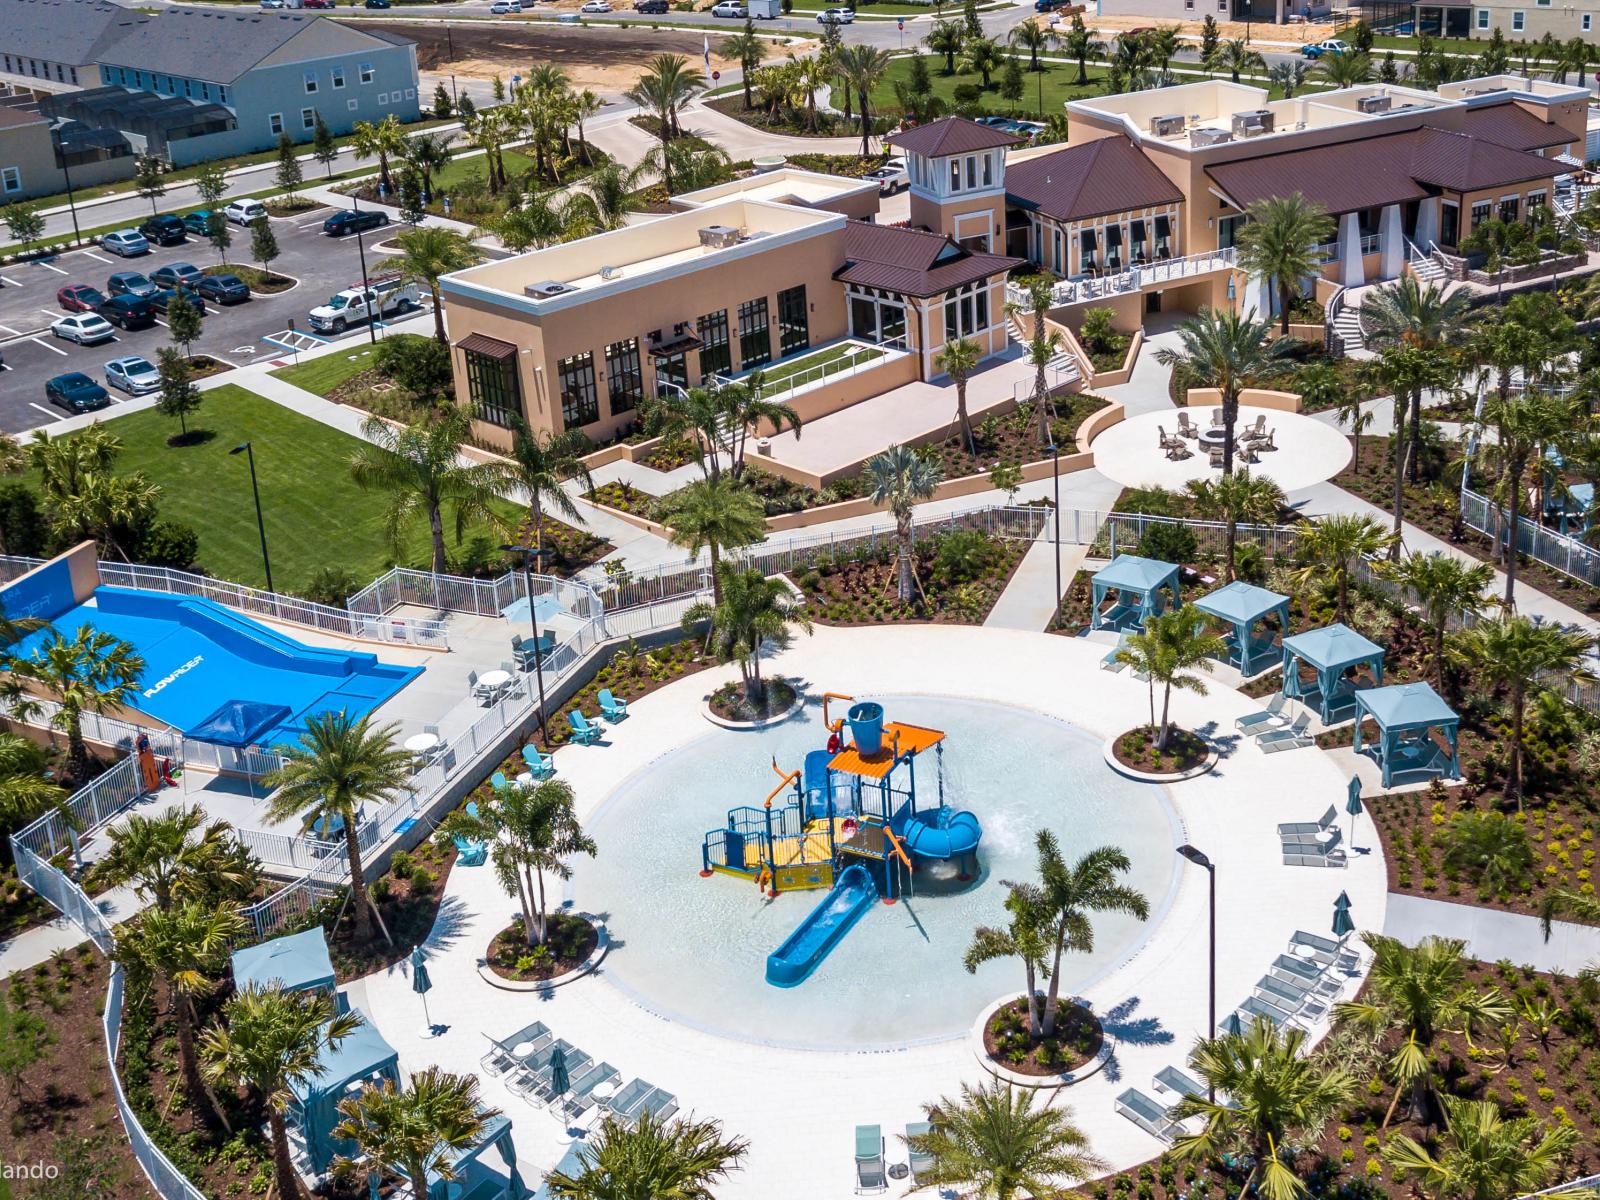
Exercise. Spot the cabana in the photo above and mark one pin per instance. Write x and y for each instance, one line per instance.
(1417, 730)
(362, 1058)
(478, 1180)
(298, 962)
(1331, 652)
(1241, 605)
(1139, 584)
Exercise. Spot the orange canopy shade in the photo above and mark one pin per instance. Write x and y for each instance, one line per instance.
(912, 739)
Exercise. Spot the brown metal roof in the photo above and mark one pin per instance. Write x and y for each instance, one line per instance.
(1107, 175)
(481, 343)
(1509, 125)
(952, 135)
(913, 262)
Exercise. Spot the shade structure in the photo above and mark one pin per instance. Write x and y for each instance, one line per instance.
(1332, 652)
(1243, 605)
(1144, 587)
(560, 1080)
(1417, 731)
(468, 1166)
(363, 1057)
(298, 962)
(1343, 924)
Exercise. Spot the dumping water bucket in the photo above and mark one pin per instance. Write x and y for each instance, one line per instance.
(866, 725)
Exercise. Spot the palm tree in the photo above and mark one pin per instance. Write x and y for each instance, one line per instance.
(608, 197)
(696, 414)
(1523, 428)
(959, 359)
(1443, 586)
(714, 515)
(749, 48)
(1488, 847)
(1345, 70)
(1407, 312)
(651, 1159)
(899, 477)
(1483, 1155)
(1253, 499)
(267, 1041)
(980, 56)
(25, 793)
(1279, 242)
(1235, 57)
(418, 1129)
(811, 75)
(1360, 420)
(167, 863)
(422, 468)
(541, 462)
(87, 672)
(1226, 351)
(1420, 992)
(538, 221)
(864, 67)
(1518, 654)
(1033, 38)
(945, 38)
(1043, 346)
(426, 153)
(1164, 41)
(1080, 45)
(1407, 371)
(340, 763)
(666, 86)
(754, 613)
(429, 251)
(83, 496)
(1026, 938)
(745, 409)
(1267, 1094)
(383, 141)
(1331, 546)
(1002, 1144)
(1290, 76)
(1168, 650)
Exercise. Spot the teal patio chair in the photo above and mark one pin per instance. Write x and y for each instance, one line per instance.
(583, 733)
(611, 708)
(540, 765)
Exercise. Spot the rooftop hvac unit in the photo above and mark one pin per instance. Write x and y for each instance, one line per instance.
(1209, 137)
(1253, 123)
(1170, 125)
(718, 236)
(610, 272)
(550, 287)
(1374, 104)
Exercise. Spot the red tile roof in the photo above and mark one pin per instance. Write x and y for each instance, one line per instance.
(913, 262)
(952, 135)
(1508, 125)
(1107, 175)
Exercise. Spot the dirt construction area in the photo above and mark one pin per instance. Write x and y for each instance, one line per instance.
(604, 59)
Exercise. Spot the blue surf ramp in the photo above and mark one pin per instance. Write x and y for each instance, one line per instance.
(815, 937)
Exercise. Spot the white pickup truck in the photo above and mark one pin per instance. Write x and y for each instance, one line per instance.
(378, 299)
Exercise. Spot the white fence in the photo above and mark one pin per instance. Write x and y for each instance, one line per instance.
(457, 593)
(1133, 279)
(1569, 555)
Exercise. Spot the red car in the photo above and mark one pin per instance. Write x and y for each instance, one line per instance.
(80, 297)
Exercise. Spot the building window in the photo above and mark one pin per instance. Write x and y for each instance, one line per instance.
(972, 172)
(336, 77)
(1542, 3)
(308, 118)
(966, 312)
(1510, 207)
(624, 378)
(492, 388)
(1480, 214)
(1586, 23)
(988, 170)
(411, 93)
(275, 123)
(365, 70)
(10, 180)
(1483, 18)
(1519, 20)
(311, 82)
(383, 97)
(794, 329)
(222, 94)
(578, 403)
(716, 356)
(352, 105)
(755, 341)
(1535, 200)
(205, 91)
(955, 174)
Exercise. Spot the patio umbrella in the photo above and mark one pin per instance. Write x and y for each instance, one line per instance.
(559, 1080)
(372, 1185)
(1353, 805)
(421, 984)
(1233, 1024)
(1343, 926)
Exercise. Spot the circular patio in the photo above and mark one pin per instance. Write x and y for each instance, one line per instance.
(1305, 450)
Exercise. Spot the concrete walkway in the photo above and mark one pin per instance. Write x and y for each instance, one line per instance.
(1492, 935)
(1030, 600)
(34, 946)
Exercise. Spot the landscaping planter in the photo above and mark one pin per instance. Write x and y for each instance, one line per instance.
(1108, 748)
(772, 718)
(1095, 1064)
(602, 944)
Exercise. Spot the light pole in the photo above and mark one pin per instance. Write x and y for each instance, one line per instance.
(72, 206)
(255, 489)
(529, 556)
(361, 253)
(1055, 476)
(1199, 859)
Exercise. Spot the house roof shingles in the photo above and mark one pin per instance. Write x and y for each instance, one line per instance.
(952, 135)
(62, 31)
(1107, 175)
(1517, 128)
(913, 262)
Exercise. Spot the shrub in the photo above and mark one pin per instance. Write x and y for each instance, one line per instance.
(420, 365)
(27, 532)
(331, 585)
(169, 544)
(1169, 542)
(1097, 333)
(962, 555)
(1250, 562)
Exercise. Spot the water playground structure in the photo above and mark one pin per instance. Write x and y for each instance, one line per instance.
(850, 823)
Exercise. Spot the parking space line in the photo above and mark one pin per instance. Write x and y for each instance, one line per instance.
(162, 323)
(3, 367)
(50, 312)
(8, 281)
(48, 267)
(97, 257)
(48, 346)
(53, 416)
(11, 331)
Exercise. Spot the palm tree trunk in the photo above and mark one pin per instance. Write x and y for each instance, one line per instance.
(716, 572)
(1052, 992)
(866, 123)
(417, 1172)
(902, 533)
(964, 418)
(186, 1022)
(1166, 708)
(282, 1164)
(1035, 1029)
(77, 749)
(525, 900)
(544, 919)
(1230, 414)
(1399, 494)
(1514, 772)
(436, 530)
(1438, 656)
(438, 314)
(666, 145)
(1283, 307)
(1515, 506)
(758, 689)
(1232, 541)
(383, 173)
(358, 883)
(1413, 465)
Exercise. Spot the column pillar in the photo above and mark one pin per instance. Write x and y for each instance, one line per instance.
(1391, 243)
(1257, 295)
(1427, 223)
(1351, 273)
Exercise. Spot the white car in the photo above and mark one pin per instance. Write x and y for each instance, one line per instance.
(501, 7)
(596, 6)
(125, 243)
(242, 212)
(133, 375)
(84, 328)
(837, 16)
(730, 8)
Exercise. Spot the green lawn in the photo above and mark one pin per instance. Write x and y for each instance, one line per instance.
(1059, 84)
(458, 170)
(315, 515)
(322, 375)
(832, 360)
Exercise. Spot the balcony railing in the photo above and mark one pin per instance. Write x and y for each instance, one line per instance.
(1079, 291)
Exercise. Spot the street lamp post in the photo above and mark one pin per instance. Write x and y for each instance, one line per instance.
(255, 490)
(1055, 476)
(72, 204)
(529, 556)
(361, 253)
(1199, 859)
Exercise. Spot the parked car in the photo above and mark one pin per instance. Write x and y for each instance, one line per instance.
(1331, 46)
(651, 6)
(836, 16)
(596, 6)
(891, 178)
(164, 298)
(274, 4)
(357, 305)
(316, 3)
(165, 230)
(377, 3)
(84, 328)
(501, 7)
(348, 220)
(129, 312)
(76, 393)
(125, 243)
(731, 8)
(130, 283)
(223, 289)
(1046, 5)
(80, 297)
(133, 375)
(198, 222)
(242, 212)
(174, 274)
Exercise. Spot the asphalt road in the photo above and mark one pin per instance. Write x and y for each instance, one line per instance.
(236, 333)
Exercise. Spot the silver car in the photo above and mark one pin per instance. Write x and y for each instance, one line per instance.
(134, 375)
(129, 243)
(84, 328)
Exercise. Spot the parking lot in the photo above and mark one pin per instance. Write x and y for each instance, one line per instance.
(238, 334)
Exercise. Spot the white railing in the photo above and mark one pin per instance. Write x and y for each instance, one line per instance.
(1327, 252)
(63, 830)
(457, 593)
(865, 356)
(1333, 340)
(1587, 1183)
(1559, 551)
(1167, 270)
(1370, 244)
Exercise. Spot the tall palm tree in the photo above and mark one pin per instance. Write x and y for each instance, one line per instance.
(1345, 70)
(1407, 371)
(864, 67)
(959, 359)
(899, 477)
(422, 468)
(267, 1041)
(1331, 546)
(1519, 654)
(1245, 496)
(166, 863)
(542, 461)
(89, 671)
(1026, 938)
(1043, 345)
(1289, 76)
(749, 48)
(83, 495)
(1164, 42)
(607, 197)
(383, 141)
(1001, 1143)
(428, 252)
(1523, 428)
(1226, 351)
(1033, 38)
(1359, 420)
(538, 221)
(1420, 992)
(1407, 312)
(1279, 243)
(1443, 586)
(945, 38)
(980, 56)
(339, 764)
(1235, 57)
(810, 77)
(754, 613)
(714, 515)
(1268, 1094)
(1483, 1155)
(694, 414)
(1080, 45)
(666, 86)
(418, 1129)
(651, 1159)
(745, 410)
(426, 154)
(1167, 651)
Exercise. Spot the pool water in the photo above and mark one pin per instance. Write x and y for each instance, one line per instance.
(695, 949)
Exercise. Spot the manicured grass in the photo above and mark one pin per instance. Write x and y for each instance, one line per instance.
(834, 359)
(322, 375)
(458, 170)
(1060, 83)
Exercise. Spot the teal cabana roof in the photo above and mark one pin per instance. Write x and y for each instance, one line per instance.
(298, 962)
(1241, 605)
(1413, 709)
(1403, 706)
(362, 1056)
(475, 1177)
(1140, 578)
(1330, 651)
(1131, 573)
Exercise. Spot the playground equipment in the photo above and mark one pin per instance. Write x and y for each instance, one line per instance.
(850, 822)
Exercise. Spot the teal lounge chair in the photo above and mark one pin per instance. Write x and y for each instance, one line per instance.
(871, 1173)
(1267, 718)
(540, 765)
(611, 708)
(470, 853)
(920, 1162)
(583, 733)
(498, 781)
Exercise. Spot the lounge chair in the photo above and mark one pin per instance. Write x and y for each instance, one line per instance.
(1313, 856)
(1292, 738)
(1186, 427)
(1257, 1007)
(499, 1059)
(1284, 993)
(626, 1101)
(663, 1106)
(580, 1101)
(919, 1161)
(1336, 951)
(469, 851)
(1323, 841)
(498, 781)
(540, 765)
(1314, 827)
(1147, 1114)
(583, 733)
(578, 1063)
(1174, 446)
(1272, 715)
(1305, 971)
(1111, 662)
(1171, 1079)
(1246, 452)
(1114, 616)
(871, 1176)
(611, 708)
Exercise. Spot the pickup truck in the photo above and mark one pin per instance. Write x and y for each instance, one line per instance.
(376, 300)
(1333, 46)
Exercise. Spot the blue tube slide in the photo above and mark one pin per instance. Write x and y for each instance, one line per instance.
(815, 937)
(941, 833)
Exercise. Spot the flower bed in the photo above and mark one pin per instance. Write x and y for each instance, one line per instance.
(262, 283)
(1184, 751)
(1075, 1041)
(961, 574)
(729, 702)
(569, 940)
(1014, 438)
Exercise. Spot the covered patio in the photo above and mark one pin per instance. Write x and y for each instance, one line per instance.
(1341, 661)
(364, 1059)
(1243, 606)
(1417, 731)
(1144, 587)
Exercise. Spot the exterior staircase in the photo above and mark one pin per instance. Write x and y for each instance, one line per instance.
(1425, 267)
(1348, 326)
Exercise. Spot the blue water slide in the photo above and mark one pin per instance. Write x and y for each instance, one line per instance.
(823, 929)
(940, 833)
(818, 787)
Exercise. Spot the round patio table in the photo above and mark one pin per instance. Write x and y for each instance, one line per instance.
(494, 679)
(421, 743)
(522, 1050)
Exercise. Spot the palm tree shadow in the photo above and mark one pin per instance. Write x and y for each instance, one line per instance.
(448, 924)
(1121, 1024)
(1226, 744)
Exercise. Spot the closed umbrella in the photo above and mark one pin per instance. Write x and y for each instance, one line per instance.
(1352, 805)
(1343, 926)
(559, 1080)
(1233, 1025)
(421, 984)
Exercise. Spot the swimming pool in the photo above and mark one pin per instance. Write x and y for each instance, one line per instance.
(695, 949)
(218, 676)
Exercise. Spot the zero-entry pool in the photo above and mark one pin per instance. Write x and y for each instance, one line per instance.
(219, 676)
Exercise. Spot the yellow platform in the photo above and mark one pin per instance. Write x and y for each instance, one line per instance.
(913, 739)
(809, 847)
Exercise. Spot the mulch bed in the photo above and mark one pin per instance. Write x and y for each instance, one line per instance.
(569, 940)
(291, 207)
(729, 702)
(203, 365)
(1184, 751)
(1014, 437)
(1076, 1040)
(789, 121)
(408, 899)
(262, 283)
(862, 589)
